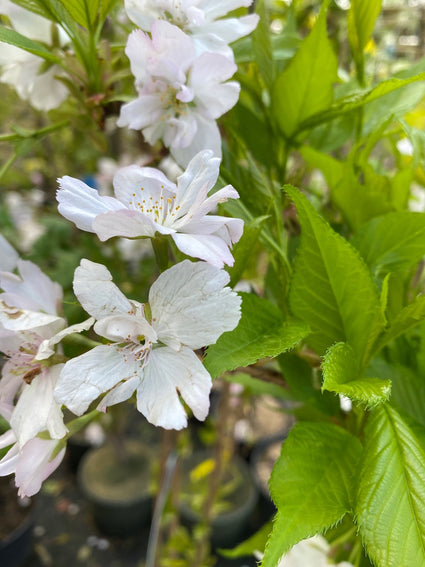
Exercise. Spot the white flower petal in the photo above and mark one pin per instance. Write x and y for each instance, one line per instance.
(46, 349)
(201, 173)
(15, 319)
(132, 184)
(166, 374)
(86, 377)
(81, 204)
(207, 136)
(232, 29)
(33, 290)
(125, 327)
(119, 393)
(8, 256)
(140, 113)
(26, 422)
(128, 224)
(97, 294)
(35, 465)
(220, 8)
(190, 307)
(207, 247)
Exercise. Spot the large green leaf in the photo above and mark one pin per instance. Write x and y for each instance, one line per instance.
(393, 242)
(357, 100)
(14, 38)
(342, 374)
(332, 289)
(262, 332)
(390, 507)
(312, 484)
(305, 87)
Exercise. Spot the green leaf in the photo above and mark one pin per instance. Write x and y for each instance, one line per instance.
(360, 23)
(305, 87)
(312, 484)
(12, 37)
(84, 12)
(256, 542)
(356, 100)
(409, 317)
(342, 374)
(394, 242)
(262, 332)
(242, 250)
(332, 289)
(390, 505)
(262, 45)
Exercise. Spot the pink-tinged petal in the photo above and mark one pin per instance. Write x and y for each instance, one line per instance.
(207, 137)
(232, 29)
(8, 256)
(46, 349)
(9, 384)
(125, 223)
(132, 184)
(81, 204)
(33, 290)
(167, 373)
(96, 292)
(185, 94)
(120, 393)
(26, 422)
(190, 305)
(208, 247)
(86, 377)
(141, 112)
(34, 465)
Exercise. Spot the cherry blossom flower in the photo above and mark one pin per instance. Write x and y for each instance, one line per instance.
(201, 19)
(23, 70)
(32, 464)
(180, 94)
(148, 203)
(152, 355)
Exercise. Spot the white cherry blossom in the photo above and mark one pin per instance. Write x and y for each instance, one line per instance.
(146, 203)
(180, 94)
(23, 70)
(31, 464)
(201, 19)
(153, 355)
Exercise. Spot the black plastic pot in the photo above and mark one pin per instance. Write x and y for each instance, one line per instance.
(17, 545)
(231, 525)
(118, 488)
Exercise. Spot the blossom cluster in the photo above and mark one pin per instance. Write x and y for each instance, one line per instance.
(150, 351)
